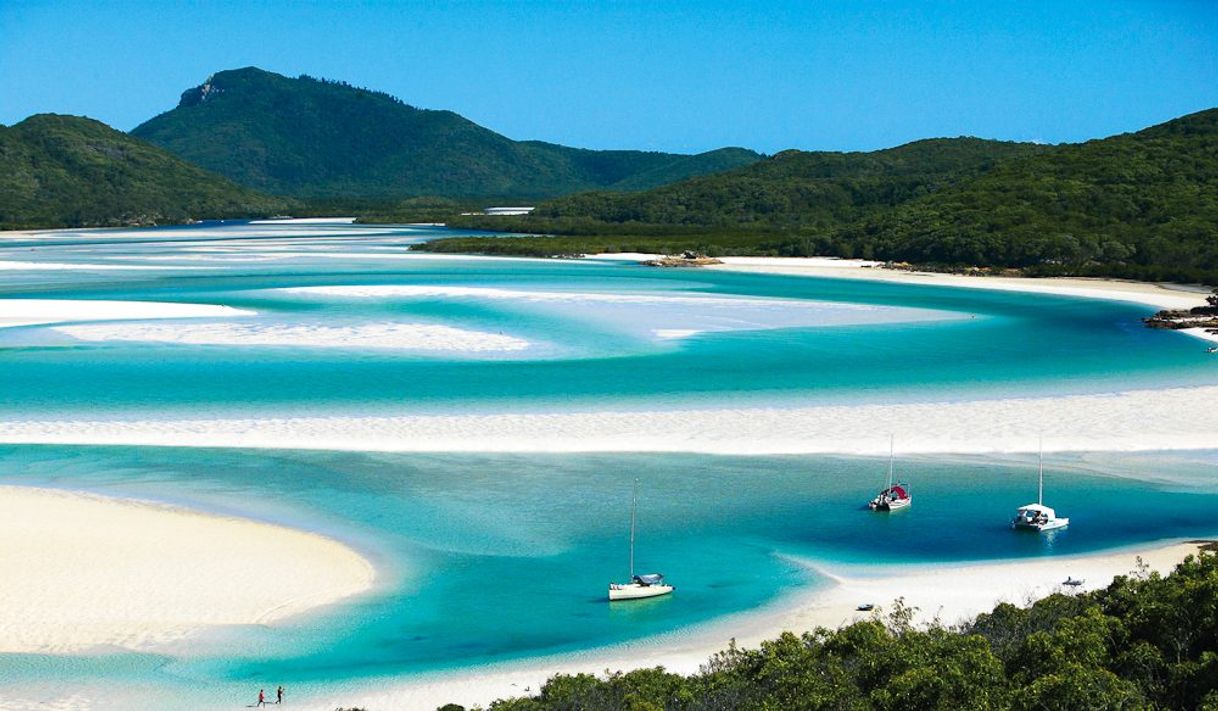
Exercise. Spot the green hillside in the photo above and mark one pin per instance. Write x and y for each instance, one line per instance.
(1141, 205)
(314, 138)
(798, 189)
(68, 171)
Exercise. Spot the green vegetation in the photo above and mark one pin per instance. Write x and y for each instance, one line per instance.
(1145, 642)
(1141, 205)
(67, 171)
(309, 137)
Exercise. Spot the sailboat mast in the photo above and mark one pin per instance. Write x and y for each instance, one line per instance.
(891, 454)
(634, 505)
(1040, 472)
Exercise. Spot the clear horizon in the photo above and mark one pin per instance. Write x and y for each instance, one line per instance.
(686, 78)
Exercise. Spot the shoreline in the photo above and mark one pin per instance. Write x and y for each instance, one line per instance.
(76, 570)
(1160, 295)
(950, 592)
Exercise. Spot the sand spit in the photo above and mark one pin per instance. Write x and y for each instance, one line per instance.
(80, 570)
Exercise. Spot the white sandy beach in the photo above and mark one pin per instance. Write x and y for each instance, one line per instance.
(950, 593)
(78, 571)
(1160, 296)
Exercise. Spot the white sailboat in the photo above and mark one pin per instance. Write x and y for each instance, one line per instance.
(894, 497)
(640, 586)
(1038, 517)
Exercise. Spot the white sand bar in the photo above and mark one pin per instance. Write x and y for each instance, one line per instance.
(393, 336)
(29, 312)
(1137, 420)
(953, 593)
(79, 570)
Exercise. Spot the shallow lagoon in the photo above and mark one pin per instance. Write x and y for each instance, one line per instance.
(489, 558)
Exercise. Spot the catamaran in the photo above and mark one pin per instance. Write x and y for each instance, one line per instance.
(1037, 516)
(640, 586)
(894, 497)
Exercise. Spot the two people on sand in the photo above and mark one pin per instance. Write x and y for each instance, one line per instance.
(262, 696)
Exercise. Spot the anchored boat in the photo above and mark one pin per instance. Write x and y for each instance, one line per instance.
(894, 497)
(640, 586)
(1038, 517)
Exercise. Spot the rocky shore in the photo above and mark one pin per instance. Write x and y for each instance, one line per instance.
(1203, 317)
(685, 259)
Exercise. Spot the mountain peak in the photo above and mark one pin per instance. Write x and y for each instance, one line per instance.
(312, 137)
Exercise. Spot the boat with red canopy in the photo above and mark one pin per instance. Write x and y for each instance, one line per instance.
(895, 496)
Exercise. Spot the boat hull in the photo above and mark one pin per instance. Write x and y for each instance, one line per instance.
(634, 591)
(893, 505)
(1040, 527)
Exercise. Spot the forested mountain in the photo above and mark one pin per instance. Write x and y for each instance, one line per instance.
(1141, 205)
(314, 138)
(68, 171)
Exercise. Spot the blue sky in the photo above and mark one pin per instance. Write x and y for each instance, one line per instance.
(681, 76)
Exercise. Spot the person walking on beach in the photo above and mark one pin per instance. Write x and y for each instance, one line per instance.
(261, 697)
(279, 694)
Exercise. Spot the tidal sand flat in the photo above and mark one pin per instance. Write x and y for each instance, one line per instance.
(1128, 421)
(36, 312)
(394, 336)
(83, 571)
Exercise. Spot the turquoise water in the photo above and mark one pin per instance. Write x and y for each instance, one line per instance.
(481, 567)
(493, 558)
(995, 343)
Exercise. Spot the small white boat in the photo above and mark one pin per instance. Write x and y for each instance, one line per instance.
(1073, 582)
(894, 497)
(1038, 517)
(640, 586)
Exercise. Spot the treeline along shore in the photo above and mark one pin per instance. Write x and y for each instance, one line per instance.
(1146, 641)
(1142, 206)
